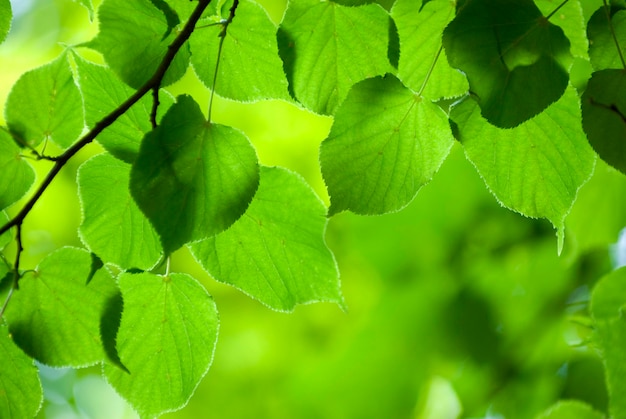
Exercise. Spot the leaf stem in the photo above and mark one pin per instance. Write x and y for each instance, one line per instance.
(430, 70)
(612, 29)
(556, 10)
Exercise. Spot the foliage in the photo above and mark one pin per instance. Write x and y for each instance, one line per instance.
(406, 83)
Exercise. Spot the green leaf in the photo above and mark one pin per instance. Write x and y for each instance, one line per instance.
(327, 48)
(17, 174)
(5, 19)
(276, 252)
(386, 143)
(570, 18)
(604, 116)
(419, 29)
(88, 5)
(516, 62)
(568, 409)
(166, 340)
(602, 49)
(113, 227)
(56, 313)
(103, 92)
(192, 178)
(21, 394)
(536, 168)
(45, 104)
(134, 36)
(250, 68)
(6, 237)
(607, 305)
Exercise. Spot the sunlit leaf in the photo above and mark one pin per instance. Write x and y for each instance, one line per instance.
(250, 68)
(103, 92)
(385, 144)
(5, 18)
(276, 252)
(327, 48)
(88, 5)
(113, 227)
(536, 168)
(20, 389)
(134, 36)
(45, 104)
(192, 178)
(56, 313)
(604, 116)
(515, 60)
(166, 341)
(602, 49)
(6, 237)
(570, 18)
(419, 29)
(17, 174)
(569, 409)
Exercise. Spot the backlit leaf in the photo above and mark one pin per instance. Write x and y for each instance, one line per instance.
(20, 389)
(536, 168)
(570, 18)
(250, 68)
(113, 227)
(276, 252)
(6, 237)
(419, 29)
(88, 5)
(515, 60)
(56, 313)
(134, 36)
(166, 341)
(604, 115)
(17, 175)
(327, 48)
(5, 18)
(45, 104)
(192, 178)
(602, 49)
(102, 92)
(568, 409)
(385, 144)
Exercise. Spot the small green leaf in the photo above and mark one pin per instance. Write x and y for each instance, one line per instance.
(604, 116)
(21, 394)
(569, 409)
(515, 60)
(88, 5)
(607, 305)
(327, 48)
(56, 313)
(134, 36)
(166, 341)
(250, 68)
(536, 168)
(192, 178)
(5, 19)
(602, 49)
(419, 29)
(113, 227)
(276, 252)
(385, 144)
(571, 19)
(45, 104)
(17, 174)
(6, 237)
(103, 92)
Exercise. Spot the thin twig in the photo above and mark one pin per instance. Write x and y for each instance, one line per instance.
(556, 10)
(612, 29)
(155, 106)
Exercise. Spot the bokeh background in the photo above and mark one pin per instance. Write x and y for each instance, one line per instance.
(457, 307)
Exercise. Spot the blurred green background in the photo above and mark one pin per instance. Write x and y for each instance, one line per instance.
(457, 307)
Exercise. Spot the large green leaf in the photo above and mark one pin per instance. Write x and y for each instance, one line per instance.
(535, 168)
(5, 18)
(20, 389)
(276, 252)
(604, 116)
(516, 62)
(326, 48)
(55, 315)
(166, 341)
(250, 68)
(385, 144)
(571, 19)
(569, 409)
(45, 104)
(607, 306)
(113, 227)
(103, 92)
(602, 49)
(419, 29)
(134, 36)
(17, 175)
(192, 178)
